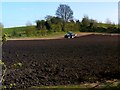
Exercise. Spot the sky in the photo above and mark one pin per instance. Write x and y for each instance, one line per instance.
(19, 13)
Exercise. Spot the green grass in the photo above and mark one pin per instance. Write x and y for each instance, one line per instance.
(48, 36)
(105, 25)
(21, 30)
(53, 34)
(84, 86)
(10, 30)
(62, 87)
(74, 87)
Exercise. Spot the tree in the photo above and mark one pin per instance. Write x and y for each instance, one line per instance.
(56, 20)
(48, 17)
(65, 13)
(53, 22)
(93, 24)
(85, 21)
(56, 27)
(70, 26)
(77, 25)
(40, 24)
(48, 26)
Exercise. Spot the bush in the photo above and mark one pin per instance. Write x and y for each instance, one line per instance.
(14, 33)
(30, 30)
(4, 38)
(43, 32)
(112, 29)
(56, 28)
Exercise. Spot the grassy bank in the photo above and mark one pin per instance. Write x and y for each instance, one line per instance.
(111, 85)
(33, 32)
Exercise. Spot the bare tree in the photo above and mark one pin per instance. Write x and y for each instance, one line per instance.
(65, 13)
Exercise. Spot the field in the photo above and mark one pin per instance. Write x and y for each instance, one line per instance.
(89, 58)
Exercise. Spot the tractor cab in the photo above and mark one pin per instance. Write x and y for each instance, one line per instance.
(70, 35)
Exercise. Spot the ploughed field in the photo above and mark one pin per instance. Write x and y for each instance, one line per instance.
(62, 61)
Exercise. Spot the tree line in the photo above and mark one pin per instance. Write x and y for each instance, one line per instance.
(64, 22)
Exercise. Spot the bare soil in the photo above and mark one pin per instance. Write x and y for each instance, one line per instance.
(88, 58)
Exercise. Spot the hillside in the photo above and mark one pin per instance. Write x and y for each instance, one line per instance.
(32, 31)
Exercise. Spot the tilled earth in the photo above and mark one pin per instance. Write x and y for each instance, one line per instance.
(89, 58)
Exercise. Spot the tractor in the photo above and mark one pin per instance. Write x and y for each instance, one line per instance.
(70, 35)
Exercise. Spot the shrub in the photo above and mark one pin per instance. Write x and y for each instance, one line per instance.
(4, 38)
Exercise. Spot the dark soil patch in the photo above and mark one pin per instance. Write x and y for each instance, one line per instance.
(62, 61)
